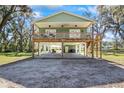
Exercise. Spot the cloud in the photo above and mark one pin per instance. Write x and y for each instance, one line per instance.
(92, 9)
(37, 14)
(81, 9)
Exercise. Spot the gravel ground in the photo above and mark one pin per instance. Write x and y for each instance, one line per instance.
(65, 73)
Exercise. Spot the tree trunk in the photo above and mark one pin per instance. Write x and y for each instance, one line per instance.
(30, 44)
(21, 44)
(4, 42)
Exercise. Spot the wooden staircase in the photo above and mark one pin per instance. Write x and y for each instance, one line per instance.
(95, 43)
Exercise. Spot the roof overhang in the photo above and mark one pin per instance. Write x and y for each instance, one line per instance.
(64, 24)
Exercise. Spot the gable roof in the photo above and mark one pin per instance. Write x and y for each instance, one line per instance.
(64, 18)
(81, 18)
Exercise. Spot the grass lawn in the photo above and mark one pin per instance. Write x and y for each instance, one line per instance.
(11, 57)
(119, 58)
(6, 59)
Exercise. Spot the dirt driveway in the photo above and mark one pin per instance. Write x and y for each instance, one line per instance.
(63, 73)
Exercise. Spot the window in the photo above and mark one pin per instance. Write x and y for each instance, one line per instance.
(50, 32)
(74, 33)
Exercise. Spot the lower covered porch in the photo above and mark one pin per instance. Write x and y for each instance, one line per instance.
(64, 50)
(60, 50)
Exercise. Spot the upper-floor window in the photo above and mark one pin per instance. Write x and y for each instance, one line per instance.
(74, 33)
(50, 32)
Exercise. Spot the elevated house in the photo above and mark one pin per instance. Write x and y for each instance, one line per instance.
(65, 32)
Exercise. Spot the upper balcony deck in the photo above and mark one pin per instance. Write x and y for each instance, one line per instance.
(58, 36)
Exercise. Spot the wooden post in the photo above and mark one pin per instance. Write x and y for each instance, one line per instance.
(38, 49)
(80, 47)
(32, 41)
(86, 49)
(92, 42)
(62, 48)
(76, 48)
(100, 47)
(97, 49)
(84, 46)
(33, 49)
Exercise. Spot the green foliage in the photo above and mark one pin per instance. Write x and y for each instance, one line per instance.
(15, 35)
(112, 17)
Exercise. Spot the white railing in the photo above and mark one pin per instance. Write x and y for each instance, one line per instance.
(60, 35)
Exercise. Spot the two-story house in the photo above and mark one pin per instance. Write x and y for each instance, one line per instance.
(64, 32)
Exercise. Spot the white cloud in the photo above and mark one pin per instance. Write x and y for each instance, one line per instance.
(93, 9)
(90, 9)
(81, 9)
(38, 14)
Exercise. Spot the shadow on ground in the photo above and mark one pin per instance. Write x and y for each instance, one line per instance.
(65, 73)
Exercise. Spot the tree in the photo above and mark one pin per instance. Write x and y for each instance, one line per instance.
(8, 13)
(112, 17)
(13, 20)
(98, 27)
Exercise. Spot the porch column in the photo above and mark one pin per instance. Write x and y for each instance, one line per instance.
(80, 46)
(48, 47)
(85, 50)
(62, 47)
(38, 49)
(92, 43)
(45, 47)
(76, 48)
(97, 49)
(100, 47)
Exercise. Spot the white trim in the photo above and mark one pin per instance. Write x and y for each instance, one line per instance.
(66, 24)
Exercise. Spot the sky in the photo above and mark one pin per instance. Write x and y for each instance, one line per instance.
(45, 10)
(41, 11)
